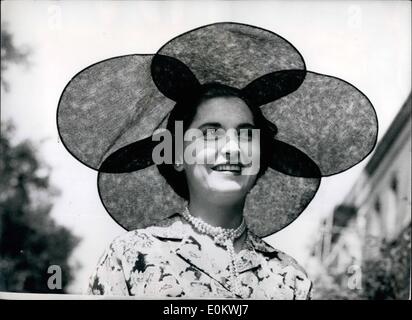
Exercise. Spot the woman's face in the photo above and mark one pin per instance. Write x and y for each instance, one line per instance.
(222, 154)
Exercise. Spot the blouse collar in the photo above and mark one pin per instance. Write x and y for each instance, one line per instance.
(173, 228)
(189, 249)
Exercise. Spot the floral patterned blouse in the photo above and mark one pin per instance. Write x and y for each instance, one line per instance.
(171, 260)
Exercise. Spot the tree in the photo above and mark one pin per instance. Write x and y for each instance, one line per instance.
(388, 276)
(384, 276)
(30, 240)
(10, 54)
(331, 286)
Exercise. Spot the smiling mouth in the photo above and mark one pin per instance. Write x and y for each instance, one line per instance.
(233, 168)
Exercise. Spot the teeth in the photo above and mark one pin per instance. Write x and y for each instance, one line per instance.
(227, 167)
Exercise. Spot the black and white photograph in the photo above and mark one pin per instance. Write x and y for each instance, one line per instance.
(203, 150)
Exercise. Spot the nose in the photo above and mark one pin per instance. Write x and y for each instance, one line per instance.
(231, 147)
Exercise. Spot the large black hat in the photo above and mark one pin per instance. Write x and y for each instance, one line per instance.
(108, 112)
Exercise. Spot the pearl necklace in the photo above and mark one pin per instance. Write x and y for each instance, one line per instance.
(223, 237)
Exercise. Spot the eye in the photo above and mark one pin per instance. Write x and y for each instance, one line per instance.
(246, 134)
(212, 133)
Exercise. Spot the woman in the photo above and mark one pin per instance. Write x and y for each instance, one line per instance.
(225, 82)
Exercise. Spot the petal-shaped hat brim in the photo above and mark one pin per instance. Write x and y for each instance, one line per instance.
(133, 157)
(293, 162)
(328, 119)
(233, 54)
(110, 105)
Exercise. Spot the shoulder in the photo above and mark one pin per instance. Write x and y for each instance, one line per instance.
(149, 238)
(281, 265)
(293, 274)
(129, 255)
(286, 261)
(273, 255)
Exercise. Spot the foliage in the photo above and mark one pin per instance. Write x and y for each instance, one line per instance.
(10, 54)
(388, 276)
(30, 240)
(329, 286)
(385, 275)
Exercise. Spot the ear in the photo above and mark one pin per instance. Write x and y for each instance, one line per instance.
(173, 78)
(272, 86)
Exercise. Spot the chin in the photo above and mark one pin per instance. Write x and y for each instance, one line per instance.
(229, 189)
(226, 197)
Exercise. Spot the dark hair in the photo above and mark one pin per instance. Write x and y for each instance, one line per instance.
(185, 111)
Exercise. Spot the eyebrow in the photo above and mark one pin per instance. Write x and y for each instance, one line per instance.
(218, 125)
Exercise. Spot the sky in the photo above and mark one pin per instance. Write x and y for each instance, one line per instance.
(365, 43)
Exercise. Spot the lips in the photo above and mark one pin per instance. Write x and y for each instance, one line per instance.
(235, 168)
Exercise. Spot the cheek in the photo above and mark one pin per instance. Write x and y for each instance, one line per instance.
(195, 174)
(250, 156)
(256, 151)
(200, 152)
(196, 157)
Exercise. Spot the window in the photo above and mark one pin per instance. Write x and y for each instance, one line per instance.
(394, 184)
(378, 205)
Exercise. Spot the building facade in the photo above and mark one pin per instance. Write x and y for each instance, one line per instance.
(377, 210)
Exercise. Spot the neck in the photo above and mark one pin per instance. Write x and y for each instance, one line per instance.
(218, 215)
